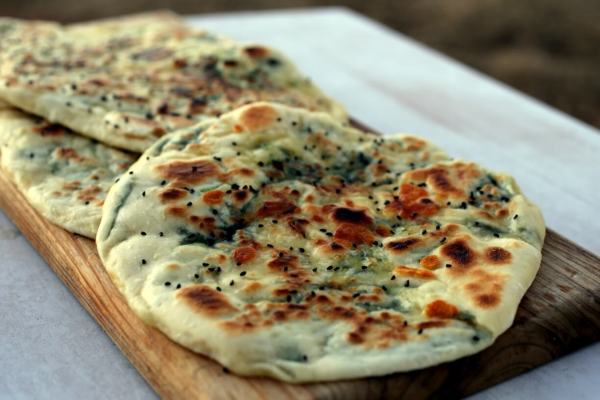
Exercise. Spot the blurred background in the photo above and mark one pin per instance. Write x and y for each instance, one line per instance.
(549, 49)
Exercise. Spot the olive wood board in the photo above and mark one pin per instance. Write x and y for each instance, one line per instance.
(559, 314)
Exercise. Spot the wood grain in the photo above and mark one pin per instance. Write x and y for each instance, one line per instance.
(560, 313)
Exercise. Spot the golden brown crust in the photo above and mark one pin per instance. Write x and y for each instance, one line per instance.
(206, 300)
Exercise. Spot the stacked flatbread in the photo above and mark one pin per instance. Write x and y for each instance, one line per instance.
(281, 243)
(128, 82)
(63, 175)
(123, 82)
(271, 237)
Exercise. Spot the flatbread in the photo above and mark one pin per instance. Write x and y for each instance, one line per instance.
(283, 244)
(64, 176)
(128, 81)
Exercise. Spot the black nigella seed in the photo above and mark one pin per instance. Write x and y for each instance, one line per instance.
(261, 226)
(516, 216)
(231, 283)
(163, 183)
(274, 221)
(217, 158)
(205, 264)
(437, 227)
(161, 234)
(243, 273)
(476, 338)
(225, 370)
(189, 204)
(364, 267)
(167, 283)
(463, 205)
(496, 235)
(314, 270)
(448, 265)
(144, 193)
(288, 298)
(393, 278)
(301, 250)
(197, 276)
(218, 288)
(407, 283)
(420, 331)
(384, 288)
(269, 245)
(143, 233)
(355, 295)
(329, 268)
(178, 286)
(143, 262)
(214, 212)
(261, 164)
(424, 232)
(443, 240)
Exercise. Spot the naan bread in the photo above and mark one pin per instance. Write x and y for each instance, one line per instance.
(281, 243)
(128, 81)
(64, 176)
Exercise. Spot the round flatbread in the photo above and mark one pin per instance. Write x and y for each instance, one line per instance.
(64, 176)
(128, 81)
(282, 243)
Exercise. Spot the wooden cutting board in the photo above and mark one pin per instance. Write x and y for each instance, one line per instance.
(560, 313)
